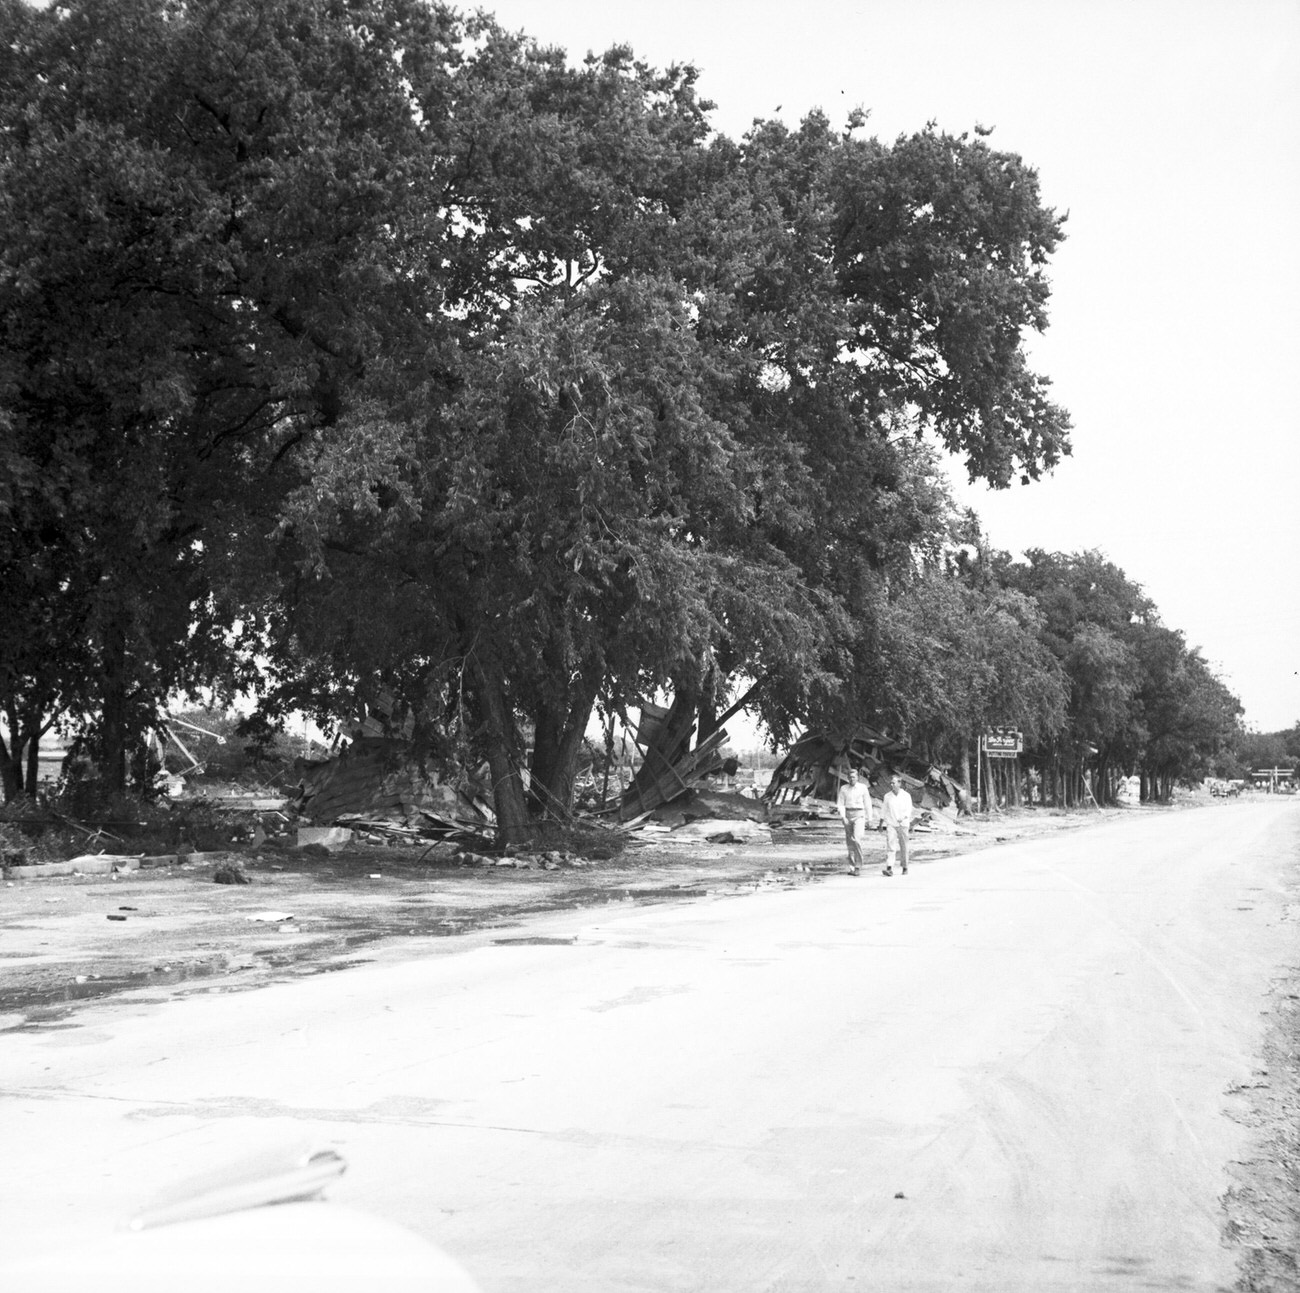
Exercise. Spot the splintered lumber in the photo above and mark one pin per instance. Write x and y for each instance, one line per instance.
(665, 734)
(180, 745)
(666, 781)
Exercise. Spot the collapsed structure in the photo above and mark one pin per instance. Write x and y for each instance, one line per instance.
(818, 764)
(385, 779)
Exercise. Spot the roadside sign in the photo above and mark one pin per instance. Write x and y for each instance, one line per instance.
(1003, 743)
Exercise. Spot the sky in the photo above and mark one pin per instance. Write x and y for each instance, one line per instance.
(1169, 131)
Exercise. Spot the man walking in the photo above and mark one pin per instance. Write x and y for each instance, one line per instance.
(854, 803)
(897, 813)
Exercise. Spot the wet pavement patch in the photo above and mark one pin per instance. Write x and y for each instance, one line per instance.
(535, 940)
(325, 944)
(55, 999)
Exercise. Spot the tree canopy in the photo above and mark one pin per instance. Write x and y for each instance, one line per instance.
(199, 271)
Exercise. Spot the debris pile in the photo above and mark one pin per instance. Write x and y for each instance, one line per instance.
(664, 777)
(817, 765)
(670, 794)
(387, 786)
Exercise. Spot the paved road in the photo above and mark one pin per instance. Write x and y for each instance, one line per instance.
(1008, 1071)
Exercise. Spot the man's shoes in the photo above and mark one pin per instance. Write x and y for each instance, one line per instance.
(904, 870)
(889, 870)
(854, 871)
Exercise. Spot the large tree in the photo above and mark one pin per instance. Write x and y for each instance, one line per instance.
(579, 516)
(956, 660)
(213, 217)
(691, 373)
(1188, 714)
(1088, 605)
(866, 295)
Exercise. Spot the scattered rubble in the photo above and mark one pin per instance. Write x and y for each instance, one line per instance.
(327, 837)
(86, 864)
(723, 831)
(388, 790)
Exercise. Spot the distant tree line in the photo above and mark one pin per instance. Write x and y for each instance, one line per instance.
(1260, 751)
(356, 346)
(1065, 648)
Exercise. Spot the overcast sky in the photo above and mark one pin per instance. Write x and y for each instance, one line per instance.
(1170, 132)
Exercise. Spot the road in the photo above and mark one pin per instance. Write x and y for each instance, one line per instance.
(1012, 1070)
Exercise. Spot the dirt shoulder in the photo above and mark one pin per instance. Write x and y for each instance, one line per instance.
(1262, 1207)
(168, 927)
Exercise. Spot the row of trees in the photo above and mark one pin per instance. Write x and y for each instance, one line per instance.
(351, 346)
(1069, 650)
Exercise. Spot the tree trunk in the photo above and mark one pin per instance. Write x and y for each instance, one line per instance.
(20, 765)
(11, 761)
(503, 753)
(707, 721)
(965, 778)
(33, 762)
(557, 741)
(112, 741)
(111, 752)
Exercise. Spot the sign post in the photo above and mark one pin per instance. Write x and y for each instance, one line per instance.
(1002, 743)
